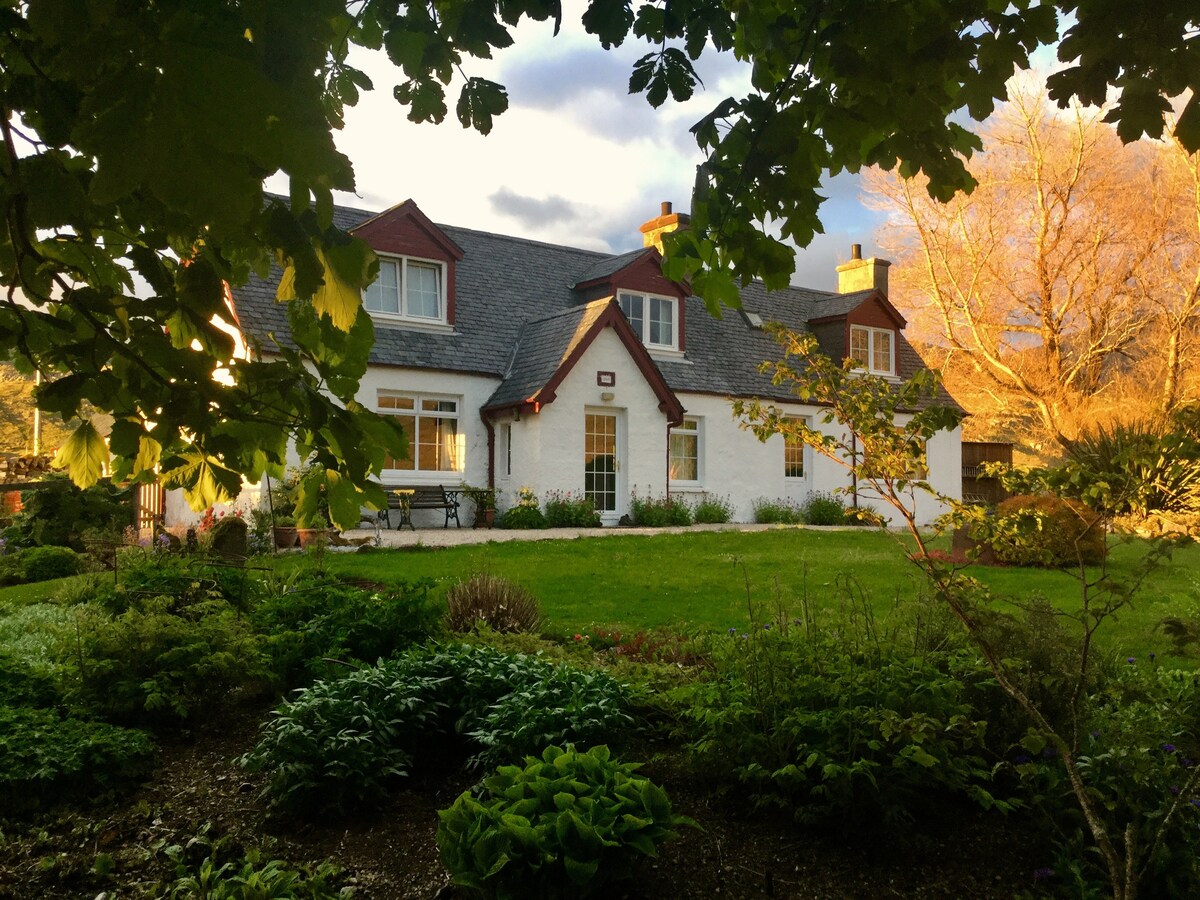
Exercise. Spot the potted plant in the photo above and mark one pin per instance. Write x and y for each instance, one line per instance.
(484, 499)
(285, 532)
(313, 532)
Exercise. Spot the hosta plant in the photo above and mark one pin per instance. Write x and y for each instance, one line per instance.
(563, 825)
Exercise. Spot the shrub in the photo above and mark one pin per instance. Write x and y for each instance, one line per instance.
(23, 685)
(571, 511)
(824, 509)
(713, 510)
(45, 757)
(1043, 530)
(344, 741)
(522, 517)
(659, 512)
(564, 825)
(315, 618)
(564, 704)
(223, 876)
(158, 661)
(58, 513)
(777, 511)
(39, 564)
(1140, 743)
(494, 601)
(840, 730)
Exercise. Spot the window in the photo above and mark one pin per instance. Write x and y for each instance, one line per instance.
(407, 289)
(653, 319)
(506, 450)
(685, 451)
(793, 453)
(873, 349)
(431, 423)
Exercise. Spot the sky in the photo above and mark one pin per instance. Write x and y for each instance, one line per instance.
(575, 160)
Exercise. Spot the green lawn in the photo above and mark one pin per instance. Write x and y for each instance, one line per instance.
(699, 580)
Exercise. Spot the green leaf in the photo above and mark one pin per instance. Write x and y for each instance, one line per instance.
(84, 455)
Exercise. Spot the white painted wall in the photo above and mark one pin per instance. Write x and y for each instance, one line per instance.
(552, 442)
(739, 467)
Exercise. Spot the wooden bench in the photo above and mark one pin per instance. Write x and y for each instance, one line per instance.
(405, 498)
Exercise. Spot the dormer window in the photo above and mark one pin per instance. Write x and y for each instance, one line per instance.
(654, 319)
(407, 288)
(874, 349)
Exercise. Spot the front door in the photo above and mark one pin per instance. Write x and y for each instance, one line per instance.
(602, 464)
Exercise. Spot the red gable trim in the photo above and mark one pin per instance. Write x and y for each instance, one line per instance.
(380, 230)
(644, 274)
(877, 298)
(612, 318)
(405, 230)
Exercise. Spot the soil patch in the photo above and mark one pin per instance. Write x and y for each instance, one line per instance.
(122, 847)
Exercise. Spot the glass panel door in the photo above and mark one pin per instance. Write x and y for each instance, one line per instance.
(600, 460)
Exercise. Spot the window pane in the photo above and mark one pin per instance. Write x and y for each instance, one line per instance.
(408, 424)
(883, 351)
(631, 305)
(423, 290)
(662, 318)
(793, 455)
(383, 294)
(684, 456)
(860, 346)
(391, 401)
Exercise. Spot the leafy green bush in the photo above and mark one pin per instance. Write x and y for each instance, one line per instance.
(59, 513)
(564, 825)
(659, 512)
(841, 730)
(777, 511)
(23, 685)
(1140, 744)
(1045, 530)
(223, 876)
(34, 564)
(563, 704)
(159, 661)
(314, 618)
(571, 511)
(45, 757)
(1143, 469)
(46, 563)
(824, 509)
(520, 517)
(493, 601)
(713, 510)
(342, 742)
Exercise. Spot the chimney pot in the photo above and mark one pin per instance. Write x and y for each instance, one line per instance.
(666, 207)
(856, 251)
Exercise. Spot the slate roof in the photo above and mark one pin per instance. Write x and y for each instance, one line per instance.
(515, 312)
(542, 346)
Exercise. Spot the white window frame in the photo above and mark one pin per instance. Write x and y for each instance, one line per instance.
(645, 301)
(805, 458)
(416, 414)
(698, 431)
(871, 333)
(403, 313)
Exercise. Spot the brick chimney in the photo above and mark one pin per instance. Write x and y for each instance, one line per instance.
(666, 222)
(862, 274)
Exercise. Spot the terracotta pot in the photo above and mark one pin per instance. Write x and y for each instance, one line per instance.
(485, 518)
(285, 536)
(312, 537)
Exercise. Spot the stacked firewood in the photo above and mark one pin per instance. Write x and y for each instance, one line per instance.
(23, 468)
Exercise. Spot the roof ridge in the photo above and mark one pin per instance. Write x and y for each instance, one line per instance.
(599, 254)
(570, 310)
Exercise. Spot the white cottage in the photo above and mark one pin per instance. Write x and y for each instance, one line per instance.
(517, 363)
